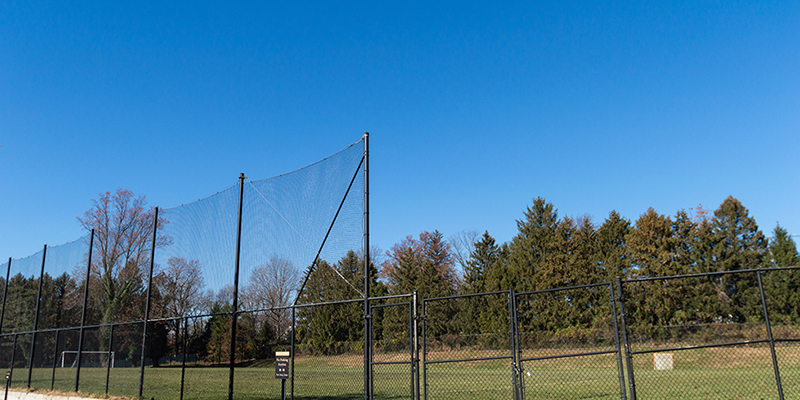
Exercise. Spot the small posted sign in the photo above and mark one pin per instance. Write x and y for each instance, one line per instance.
(282, 364)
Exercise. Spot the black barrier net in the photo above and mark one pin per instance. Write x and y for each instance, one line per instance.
(62, 287)
(20, 356)
(329, 351)
(126, 342)
(42, 365)
(65, 354)
(23, 284)
(305, 224)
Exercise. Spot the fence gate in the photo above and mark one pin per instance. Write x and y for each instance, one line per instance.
(393, 365)
(468, 348)
(568, 346)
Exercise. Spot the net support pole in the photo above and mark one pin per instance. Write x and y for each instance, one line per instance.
(55, 357)
(147, 301)
(5, 294)
(367, 316)
(83, 310)
(234, 313)
(110, 349)
(36, 317)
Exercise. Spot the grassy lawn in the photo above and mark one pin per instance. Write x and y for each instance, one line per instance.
(727, 373)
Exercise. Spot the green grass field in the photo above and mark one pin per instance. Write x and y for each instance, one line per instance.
(717, 373)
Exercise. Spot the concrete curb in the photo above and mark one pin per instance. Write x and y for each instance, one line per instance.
(40, 396)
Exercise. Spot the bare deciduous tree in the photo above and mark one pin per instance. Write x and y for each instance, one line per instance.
(273, 285)
(123, 236)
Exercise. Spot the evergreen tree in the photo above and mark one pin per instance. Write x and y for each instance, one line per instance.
(427, 266)
(481, 260)
(612, 253)
(651, 244)
(736, 244)
(533, 247)
(783, 287)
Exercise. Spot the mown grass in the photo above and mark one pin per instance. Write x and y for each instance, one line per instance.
(717, 373)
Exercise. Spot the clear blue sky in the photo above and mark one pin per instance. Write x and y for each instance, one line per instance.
(474, 109)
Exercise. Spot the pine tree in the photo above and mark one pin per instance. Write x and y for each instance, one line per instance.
(783, 287)
(533, 247)
(737, 244)
(612, 253)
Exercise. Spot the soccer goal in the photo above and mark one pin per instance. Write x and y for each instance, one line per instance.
(69, 358)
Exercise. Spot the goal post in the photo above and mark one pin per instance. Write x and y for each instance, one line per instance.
(74, 359)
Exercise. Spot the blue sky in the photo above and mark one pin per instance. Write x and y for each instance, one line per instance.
(474, 109)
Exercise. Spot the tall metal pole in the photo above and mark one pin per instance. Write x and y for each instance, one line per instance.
(55, 358)
(235, 314)
(367, 316)
(147, 301)
(516, 366)
(110, 350)
(83, 312)
(5, 294)
(36, 318)
(625, 339)
(183, 351)
(294, 326)
(620, 368)
(771, 339)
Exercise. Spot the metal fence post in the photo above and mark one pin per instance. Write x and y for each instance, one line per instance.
(55, 357)
(512, 328)
(147, 302)
(628, 358)
(13, 355)
(36, 318)
(415, 343)
(424, 351)
(5, 294)
(183, 351)
(83, 310)
(620, 368)
(110, 349)
(234, 313)
(769, 334)
(294, 328)
(367, 317)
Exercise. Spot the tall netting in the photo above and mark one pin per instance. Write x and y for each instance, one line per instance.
(23, 283)
(288, 222)
(303, 226)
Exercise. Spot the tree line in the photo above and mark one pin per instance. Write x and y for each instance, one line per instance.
(551, 251)
(548, 251)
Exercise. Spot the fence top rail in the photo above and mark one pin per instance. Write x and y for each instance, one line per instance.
(464, 295)
(407, 303)
(699, 275)
(397, 296)
(564, 288)
(701, 346)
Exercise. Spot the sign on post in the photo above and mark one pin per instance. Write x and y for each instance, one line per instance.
(282, 364)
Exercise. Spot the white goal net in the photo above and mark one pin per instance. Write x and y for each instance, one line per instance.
(69, 358)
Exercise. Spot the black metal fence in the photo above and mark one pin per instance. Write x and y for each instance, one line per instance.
(715, 335)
